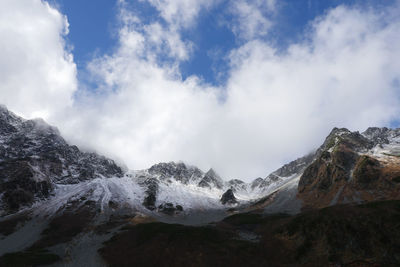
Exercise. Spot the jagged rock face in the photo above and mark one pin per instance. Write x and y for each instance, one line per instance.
(33, 157)
(328, 169)
(257, 182)
(44, 159)
(173, 176)
(378, 135)
(367, 171)
(19, 185)
(296, 166)
(228, 198)
(178, 171)
(42, 146)
(352, 140)
(211, 179)
(348, 169)
(34, 160)
(237, 185)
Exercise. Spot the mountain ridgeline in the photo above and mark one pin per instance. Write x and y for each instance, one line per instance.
(36, 163)
(34, 158)
(63, 206)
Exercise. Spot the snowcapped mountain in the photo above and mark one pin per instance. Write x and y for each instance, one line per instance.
(349, 167)
(35, 160)
(38, 167)
(53, 196)
(353, 167)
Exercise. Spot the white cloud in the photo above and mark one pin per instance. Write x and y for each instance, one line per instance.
(277, 106)
(252, 18)
(151, 112)
(37, 74)
(274, 107)
(156, 40)
(284, 104)
(181, 13)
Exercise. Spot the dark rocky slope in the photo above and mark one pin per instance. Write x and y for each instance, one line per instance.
(347, 170)
(344, 235)
(228, 197)
(34, 157)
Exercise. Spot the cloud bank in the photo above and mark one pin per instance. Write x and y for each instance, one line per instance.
(274, 107)
(37, 71)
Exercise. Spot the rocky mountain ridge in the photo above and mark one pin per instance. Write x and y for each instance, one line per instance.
(34, 158)
(59, 204)
(37, 164)
(353, 168)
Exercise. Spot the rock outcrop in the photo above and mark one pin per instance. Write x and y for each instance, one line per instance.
(352, 168)
(34, 157)
(228, 198)
(211, 180)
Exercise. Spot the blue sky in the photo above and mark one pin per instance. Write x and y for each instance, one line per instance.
(94, 25)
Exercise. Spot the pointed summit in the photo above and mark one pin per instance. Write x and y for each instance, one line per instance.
(213, 173)
(211, 179)
(8, 117)
(177, 171)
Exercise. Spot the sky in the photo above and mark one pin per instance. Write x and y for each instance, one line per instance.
(240, 86)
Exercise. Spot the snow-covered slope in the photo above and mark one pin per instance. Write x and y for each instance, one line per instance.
(349, 167)
(54, 196)
(35, 159)
(40, 170)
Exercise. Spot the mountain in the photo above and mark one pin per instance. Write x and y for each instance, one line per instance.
(64, 206)
(353, 168)
(349, 167)
(38, 166)
(34, 159)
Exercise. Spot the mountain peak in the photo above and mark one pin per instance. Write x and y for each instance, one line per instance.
(338, 136)
(378, 135)
(34, 157)
(352, 167)
(211, 179)
(212, 173)
(178, 171)
(338, 132)
(7, 116)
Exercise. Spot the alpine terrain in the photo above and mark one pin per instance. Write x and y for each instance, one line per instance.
(62, 206)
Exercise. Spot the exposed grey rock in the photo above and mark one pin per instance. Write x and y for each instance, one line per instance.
(353, 140)
(294, 167)
(34, 157)
(237, 185)
(349, 163)
(378, 135)
(19, 186)
(211, 179)
(151, 185)
(257, 182)
(178, 171)
(169, 208)
(228, 198)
